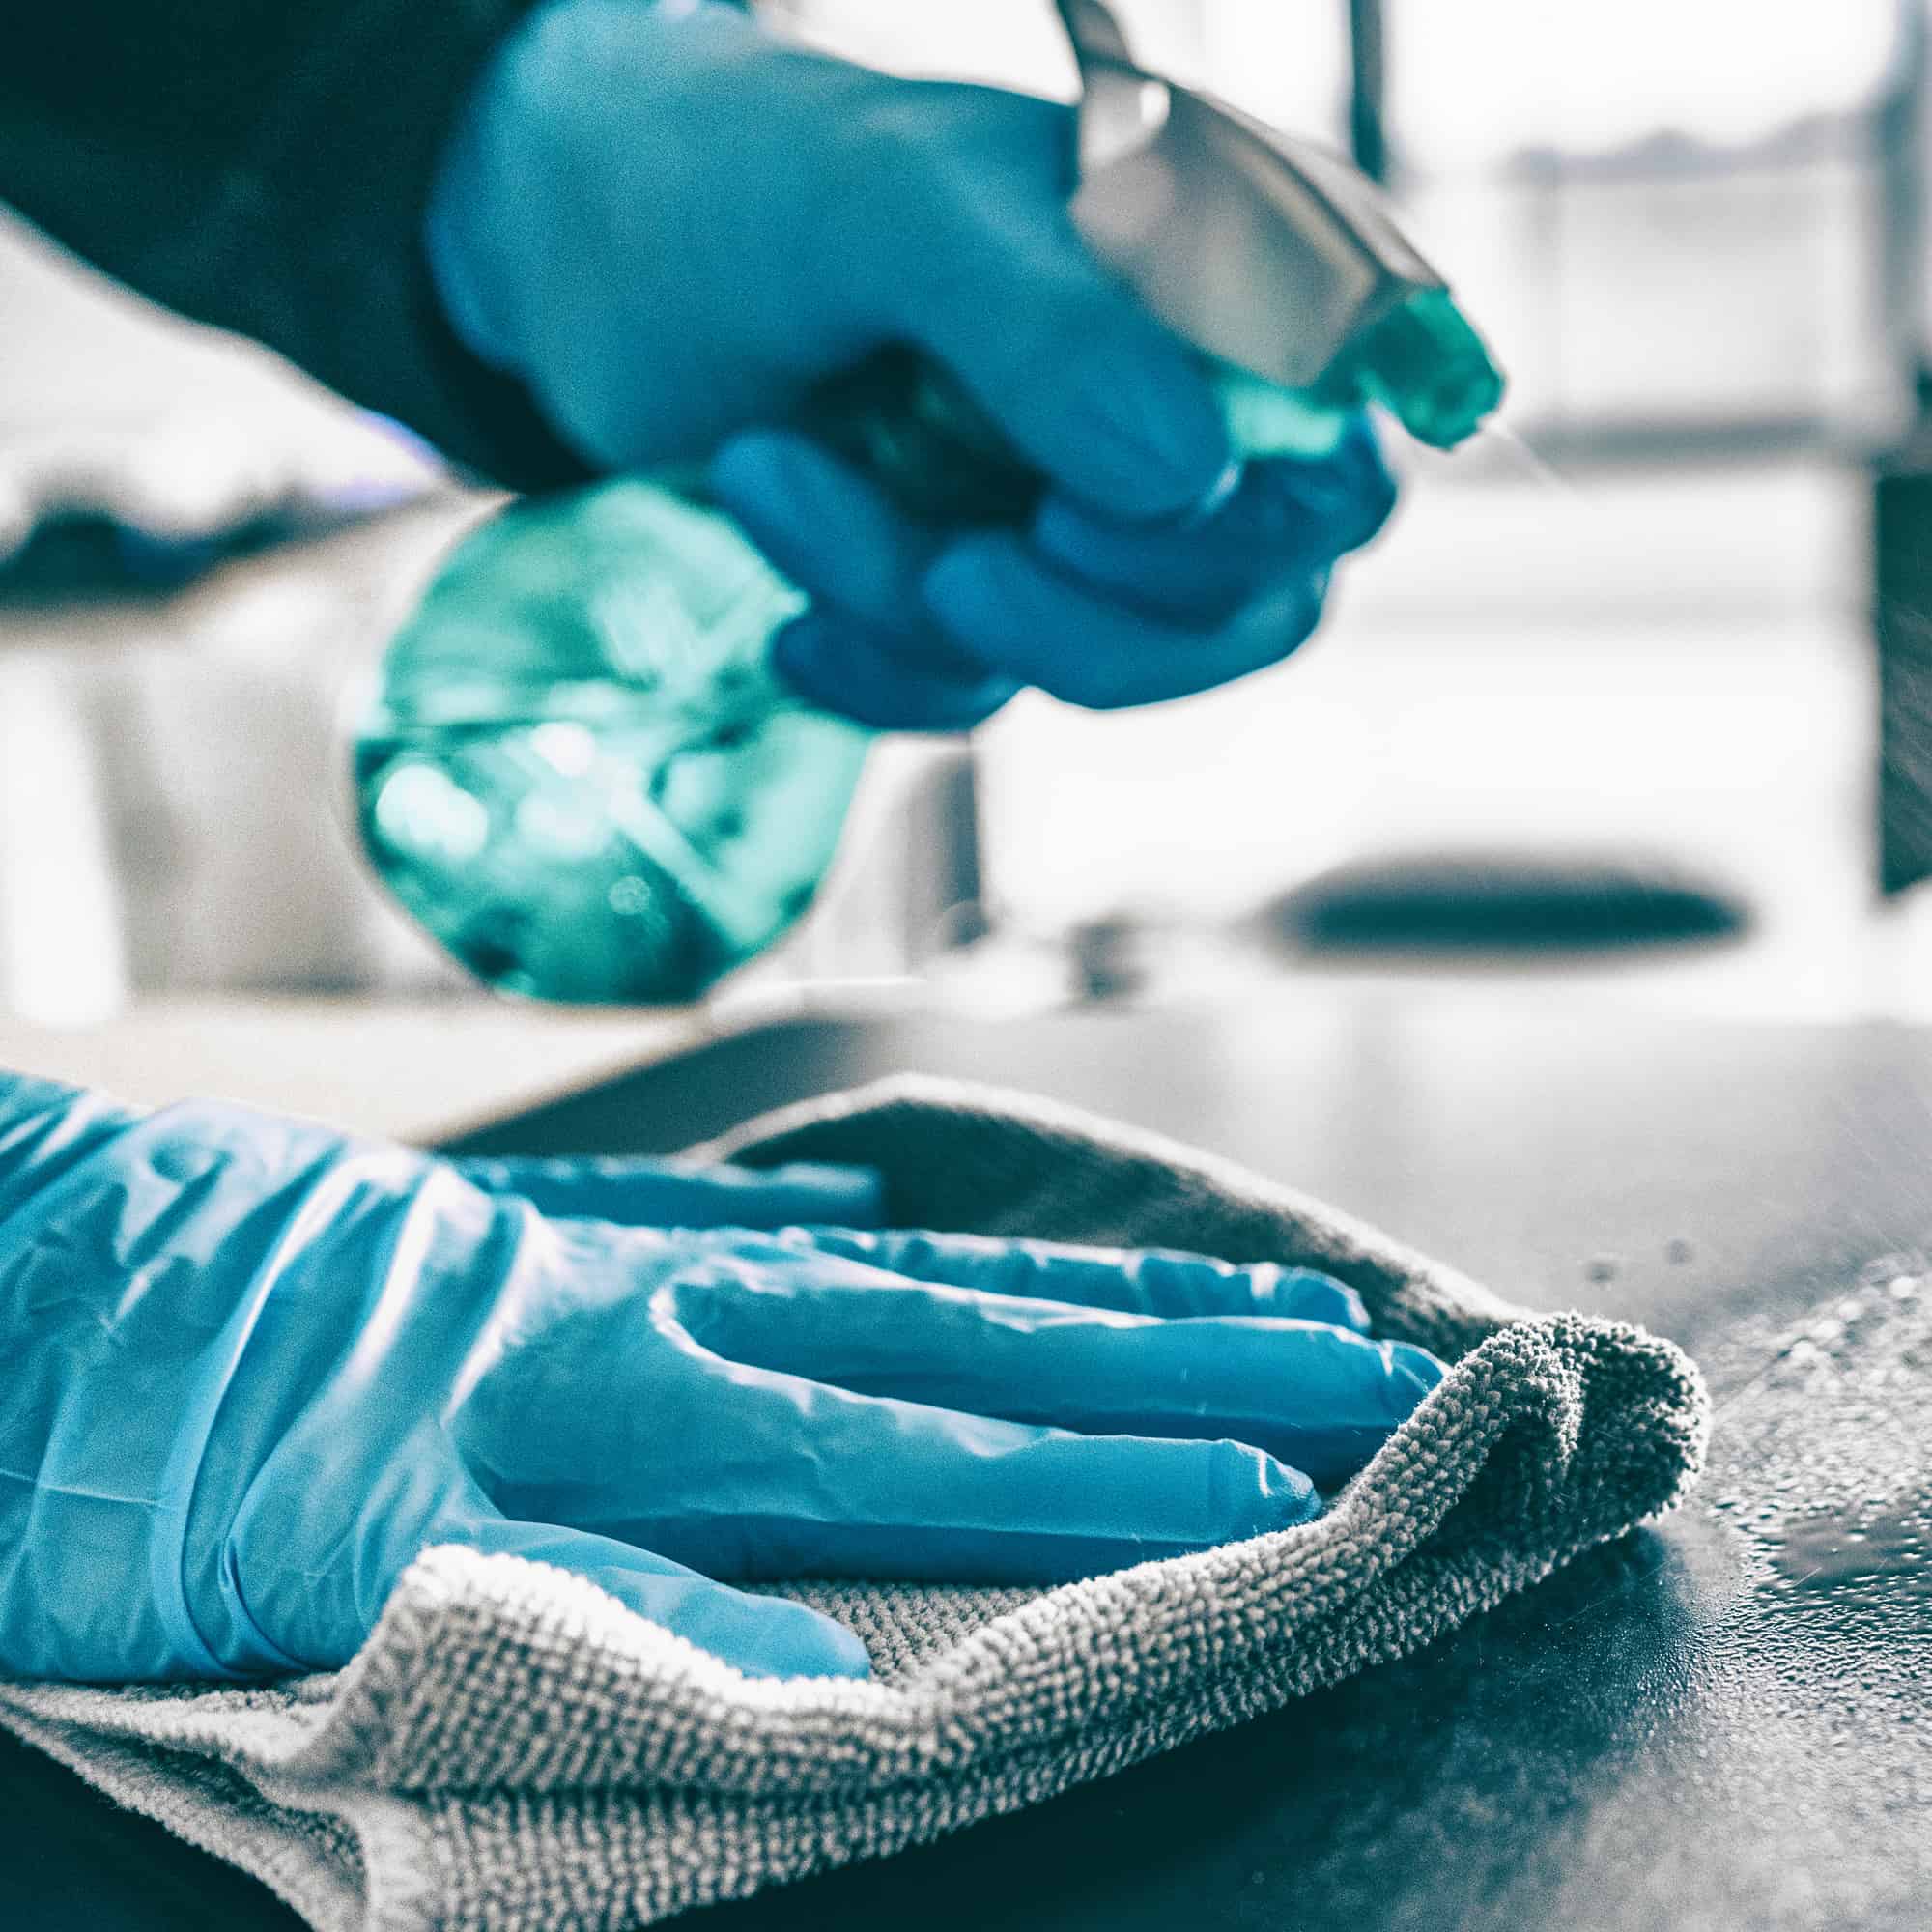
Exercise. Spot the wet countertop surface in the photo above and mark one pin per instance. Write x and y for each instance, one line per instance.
(1721, 1722)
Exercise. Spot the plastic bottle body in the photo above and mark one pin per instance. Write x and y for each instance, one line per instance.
(578, 771)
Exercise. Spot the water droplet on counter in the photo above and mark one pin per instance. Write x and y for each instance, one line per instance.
(1824, 1548)
(1821, 1440)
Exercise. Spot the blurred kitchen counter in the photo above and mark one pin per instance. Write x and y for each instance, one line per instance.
(411, 1069)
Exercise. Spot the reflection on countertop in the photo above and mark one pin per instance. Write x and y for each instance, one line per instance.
(396, 1069)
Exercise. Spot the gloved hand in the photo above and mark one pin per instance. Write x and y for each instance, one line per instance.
(254, 1368)
(669, 224)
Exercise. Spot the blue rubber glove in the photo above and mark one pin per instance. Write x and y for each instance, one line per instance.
(254, 1368)
(915, 629)
(669, 224)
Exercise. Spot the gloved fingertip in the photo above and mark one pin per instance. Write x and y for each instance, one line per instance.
(813, 521)
(849, 1196)
(842, 670)
(962, 585)
(1111, 408)
(807, 654)
(1217, 498)
(1170, 459)
(1252, 1494)
(751, 471)
(1271, 629)
(1415, 1370)
(759, 1637)
(799, 1641)
(1373, 490)
(1303, 1294)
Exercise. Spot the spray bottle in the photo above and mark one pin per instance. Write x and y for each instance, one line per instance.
(579, 768)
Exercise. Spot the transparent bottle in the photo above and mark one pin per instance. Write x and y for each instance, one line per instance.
(578, 769)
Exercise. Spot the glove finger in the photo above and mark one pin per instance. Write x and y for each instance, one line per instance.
(292, 1610)
(1145, 1281)
(1290, 518)
(827, 527)
(861, 675)
(301, 1615)
(636, 1424)
(994, 598)
(1088, 384)
(820, 1482)
(1321, 1398)
(869, 648)
(684, 1194)
(762, 1636)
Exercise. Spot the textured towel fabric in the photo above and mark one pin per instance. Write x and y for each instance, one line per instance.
(513, 1749)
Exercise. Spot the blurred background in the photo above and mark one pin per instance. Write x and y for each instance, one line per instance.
(1628, 694)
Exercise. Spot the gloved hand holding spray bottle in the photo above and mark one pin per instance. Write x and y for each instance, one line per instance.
(609, 756)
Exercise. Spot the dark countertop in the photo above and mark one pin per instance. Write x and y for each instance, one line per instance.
(1725, 1722)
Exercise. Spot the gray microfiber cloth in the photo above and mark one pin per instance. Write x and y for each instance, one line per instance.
(514, 1749)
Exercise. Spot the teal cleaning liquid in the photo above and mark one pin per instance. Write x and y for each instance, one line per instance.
(578, 772)
(579, 769)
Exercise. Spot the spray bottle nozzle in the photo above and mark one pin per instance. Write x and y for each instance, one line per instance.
(1428, 367)
(1267, 253)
